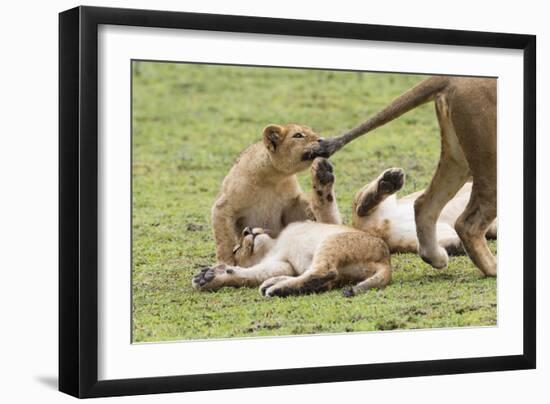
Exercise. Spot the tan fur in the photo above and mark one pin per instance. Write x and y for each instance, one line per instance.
(376, 210)
(307, 257)
(262, 190)
(466, 112)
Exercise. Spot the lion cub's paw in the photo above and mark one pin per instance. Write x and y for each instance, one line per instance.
(322, 171)
(348, 291)
(322, 176)
(391, 180)
(269, 287)
(211, 278)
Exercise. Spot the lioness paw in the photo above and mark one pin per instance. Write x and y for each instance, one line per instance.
(438, 259)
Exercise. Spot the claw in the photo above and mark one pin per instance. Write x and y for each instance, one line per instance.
(263, 289)
(209, 275)
(348, 292)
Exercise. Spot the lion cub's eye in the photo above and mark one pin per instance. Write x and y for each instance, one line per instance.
(298, 135)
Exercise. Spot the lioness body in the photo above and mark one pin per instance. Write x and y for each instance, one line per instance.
(306, 257)
(262, 190)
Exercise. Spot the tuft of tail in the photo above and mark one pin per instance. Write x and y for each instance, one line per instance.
(418, 95)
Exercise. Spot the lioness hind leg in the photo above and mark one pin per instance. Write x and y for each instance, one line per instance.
(323, 198)
(472, 227)
(332, 262)
(451, 174)
(475, 120)
(492, 231)
(374, 193)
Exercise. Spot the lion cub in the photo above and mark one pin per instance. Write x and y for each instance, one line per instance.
(262, 190)
(306, 257)
(377, 211)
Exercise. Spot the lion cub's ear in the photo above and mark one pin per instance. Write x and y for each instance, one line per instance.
(273, 137)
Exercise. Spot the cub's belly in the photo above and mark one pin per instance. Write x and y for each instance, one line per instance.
(301, 263)
(301, 241)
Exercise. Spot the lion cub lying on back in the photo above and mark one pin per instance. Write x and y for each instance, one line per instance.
(306, 257)
(378, 211)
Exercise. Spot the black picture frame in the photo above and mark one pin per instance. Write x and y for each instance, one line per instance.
(78, 201)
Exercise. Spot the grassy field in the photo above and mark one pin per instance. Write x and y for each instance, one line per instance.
(189, 124)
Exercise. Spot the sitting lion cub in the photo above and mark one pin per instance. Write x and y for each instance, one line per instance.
(262, 190)
(306, 257)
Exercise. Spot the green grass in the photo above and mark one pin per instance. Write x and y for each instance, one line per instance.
(189, 124)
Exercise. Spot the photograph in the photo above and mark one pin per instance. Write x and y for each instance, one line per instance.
(245, 202)
(282, 201)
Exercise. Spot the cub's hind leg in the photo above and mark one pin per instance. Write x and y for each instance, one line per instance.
(341, 257)
(374, 193)
(381, 277)
(449, 240)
